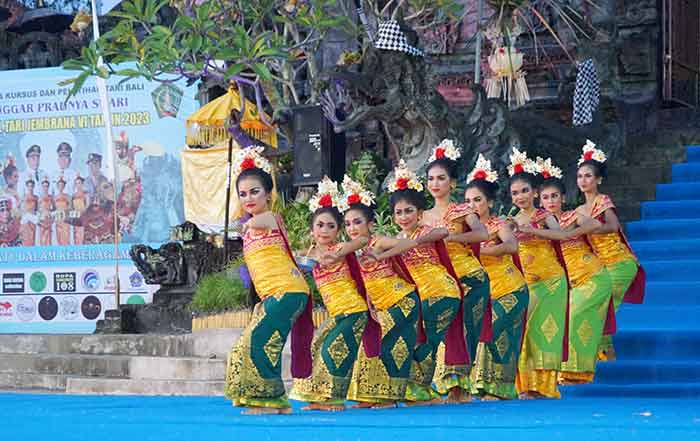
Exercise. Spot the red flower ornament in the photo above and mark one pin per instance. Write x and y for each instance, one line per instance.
(248, 163)
(354, 199)
(480, 175)
(325, 201)
(402, 183)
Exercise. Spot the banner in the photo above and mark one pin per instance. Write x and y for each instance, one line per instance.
(57, 198)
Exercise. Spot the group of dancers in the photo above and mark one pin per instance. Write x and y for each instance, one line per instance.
(461, 303)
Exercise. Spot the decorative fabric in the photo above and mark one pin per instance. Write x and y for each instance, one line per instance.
(588, 309)
(334, 351)
(337, 287)
(390, 37)
(496, 363)
(504, 276)
(587, 93)
(384, 378)
(254, 367)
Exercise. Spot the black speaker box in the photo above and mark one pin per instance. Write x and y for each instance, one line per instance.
(318, 150)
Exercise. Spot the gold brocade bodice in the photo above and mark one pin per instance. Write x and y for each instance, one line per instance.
(581, 262)
(79, 202)
(539, 260)
(338, 289)
(431, 278)
(270, 265)
(537, 256)
(462, 257)
(504, 276)
(609, 247)
(384, 287)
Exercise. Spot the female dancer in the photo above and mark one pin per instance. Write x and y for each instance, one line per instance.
(254, 373)
(63, 204)
(380, 382)
(494, 372)
(543, 342)
(590, 283)
(465, 229)
(439, 292)
(29, 215)
(336, 344)
(46, 208)
(80, 204)
(608, 242)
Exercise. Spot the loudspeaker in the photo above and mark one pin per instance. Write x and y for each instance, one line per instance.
(318, 150)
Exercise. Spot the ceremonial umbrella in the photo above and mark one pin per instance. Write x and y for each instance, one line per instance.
(209, 125)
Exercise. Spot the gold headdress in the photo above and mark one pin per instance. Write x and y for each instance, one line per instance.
(520, 163)
(482, 171)
(590, 152)
(404, 179)
(446, 149)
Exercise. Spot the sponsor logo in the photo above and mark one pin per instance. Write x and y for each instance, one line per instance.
(6, 309)
(69, 308)
(26, 309)
(111, 283)
(91, 307)
(136, 280)
(91, 280)
(48, 308)
(13, 283)
(136, 300)
(37, 281)
(64, 282)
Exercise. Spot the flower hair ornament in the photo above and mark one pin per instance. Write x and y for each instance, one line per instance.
(326, 196)
(520, 163)
(251, 157)
(482, 171)
(590, 152)
(548, 170)
(404, 179)
(446, 149)
(354, 193)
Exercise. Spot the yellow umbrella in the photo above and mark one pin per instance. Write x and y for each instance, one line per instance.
(207, 126)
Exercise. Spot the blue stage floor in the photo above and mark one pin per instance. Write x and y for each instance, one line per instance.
(29, 417)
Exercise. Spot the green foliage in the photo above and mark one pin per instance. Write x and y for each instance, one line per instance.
(219, 292)
(369, 170)
(265, 40)
(297, 217)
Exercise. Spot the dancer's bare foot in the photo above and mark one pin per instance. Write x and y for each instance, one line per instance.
(325, 407)
(489, 397)
(433, 402)
(363, 405)
(387, 405)
(457, 395)
(267, 411)
(530, 395)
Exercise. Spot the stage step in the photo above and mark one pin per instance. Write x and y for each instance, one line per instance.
(680, 294)
(672, 270)
(648, 371)
(636, 390)
(216, 342)
(650, 250)
(687, 172)
(678, 191)
(646, 344)
(193, 364)
(121, 386)
(682, 209)
(668, 229)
